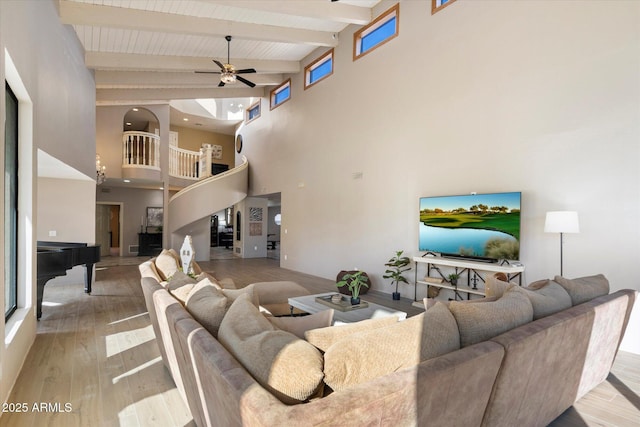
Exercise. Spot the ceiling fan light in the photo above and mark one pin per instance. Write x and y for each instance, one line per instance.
(228, 77)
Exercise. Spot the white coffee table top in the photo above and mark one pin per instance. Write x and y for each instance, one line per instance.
(309, 304)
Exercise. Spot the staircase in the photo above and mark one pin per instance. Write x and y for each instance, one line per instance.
(191, 208)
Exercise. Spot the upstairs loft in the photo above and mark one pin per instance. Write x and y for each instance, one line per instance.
(141, 159)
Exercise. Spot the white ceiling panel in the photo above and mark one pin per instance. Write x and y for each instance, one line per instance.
(124, 39)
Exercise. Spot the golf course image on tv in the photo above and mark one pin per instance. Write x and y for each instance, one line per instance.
(483, 226)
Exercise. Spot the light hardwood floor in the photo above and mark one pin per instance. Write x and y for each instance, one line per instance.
(97, 354)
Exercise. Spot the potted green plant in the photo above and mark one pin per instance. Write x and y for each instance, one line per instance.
(396, 266)
(453, 278)
(354, 281)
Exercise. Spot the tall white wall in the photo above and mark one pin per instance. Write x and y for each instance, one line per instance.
(49, 63)
(490, 96)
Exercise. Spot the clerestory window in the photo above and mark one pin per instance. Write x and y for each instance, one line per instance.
(253, 112)
(438, 5)
(281, 94)
(319, 69)
(382, 29)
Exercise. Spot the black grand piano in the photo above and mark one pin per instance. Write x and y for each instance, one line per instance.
(55, 258)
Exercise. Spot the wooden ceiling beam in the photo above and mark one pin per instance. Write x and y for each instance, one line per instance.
(74, 13)
(139, 96)
(135, 62)
(108, 79)
(317, 9)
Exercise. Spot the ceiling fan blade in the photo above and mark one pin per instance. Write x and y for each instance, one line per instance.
(246, 71)
(245, 81)
(218, 63)
(207, 72)
(221, 84)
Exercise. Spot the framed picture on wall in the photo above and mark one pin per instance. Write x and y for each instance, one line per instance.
(154, 219)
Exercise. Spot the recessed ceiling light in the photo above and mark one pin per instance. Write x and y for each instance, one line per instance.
(126, 180)
(186, 119)
(135, 109)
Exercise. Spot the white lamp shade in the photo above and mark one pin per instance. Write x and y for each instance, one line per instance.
(561, 222)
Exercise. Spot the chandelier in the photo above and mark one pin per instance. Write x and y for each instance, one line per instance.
(101, 176)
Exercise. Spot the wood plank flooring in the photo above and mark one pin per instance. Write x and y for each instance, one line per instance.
(97, 355)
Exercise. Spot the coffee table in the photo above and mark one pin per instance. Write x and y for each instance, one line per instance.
(309, 304)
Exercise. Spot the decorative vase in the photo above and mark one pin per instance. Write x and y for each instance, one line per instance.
(396, 296)
(355, 301)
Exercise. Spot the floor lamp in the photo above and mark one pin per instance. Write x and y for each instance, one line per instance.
(561, 222)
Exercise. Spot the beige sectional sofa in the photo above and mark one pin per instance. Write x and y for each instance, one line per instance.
(527, 375)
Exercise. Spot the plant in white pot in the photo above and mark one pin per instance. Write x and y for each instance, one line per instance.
(354, 281)
(395, 267)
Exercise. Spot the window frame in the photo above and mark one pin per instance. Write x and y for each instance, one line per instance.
(317, 63)
(274, 92)
(11, 211)
(383, 18)
(249, 119)
(435, 7)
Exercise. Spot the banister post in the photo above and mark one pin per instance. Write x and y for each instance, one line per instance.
(205, 161)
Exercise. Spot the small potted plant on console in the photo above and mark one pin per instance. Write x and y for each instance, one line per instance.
(354, 281)
(396, 266)
(453, 279)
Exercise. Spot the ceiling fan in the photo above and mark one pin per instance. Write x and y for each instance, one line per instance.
(228, 73)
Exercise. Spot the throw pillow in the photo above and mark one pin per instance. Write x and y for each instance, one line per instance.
(166, 264)
(298, 325)
(584, 289)
(323, 338)
(179, 285)
(480, 322)
(288, 367)
(227, 283)
(547, 298)
(494, 287)
(148, 269)
(204, 275)
(196, 267)
(232, 294)
(370, 354)
(207, 305)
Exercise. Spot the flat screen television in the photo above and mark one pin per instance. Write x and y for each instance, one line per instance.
(476, 226)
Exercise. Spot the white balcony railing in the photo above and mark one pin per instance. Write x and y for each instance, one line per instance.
(183, 163)
(141, 149)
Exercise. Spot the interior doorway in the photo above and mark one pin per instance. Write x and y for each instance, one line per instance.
(274, 219)
(109, 228)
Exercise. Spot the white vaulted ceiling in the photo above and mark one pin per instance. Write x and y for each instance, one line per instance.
(148, 50)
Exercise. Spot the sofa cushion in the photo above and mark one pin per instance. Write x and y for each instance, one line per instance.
(323, 338)
(482, 321)
(584, 289)
(167, 264)
(298, 325)
(547, 297)
(207, 305)
(179, 285)
(370, 354)
(288, 367)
